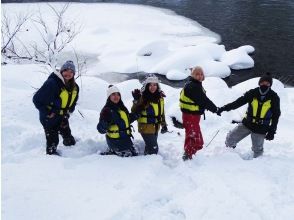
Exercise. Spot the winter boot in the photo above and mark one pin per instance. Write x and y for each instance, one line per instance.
(257, 154)
(51, 149)
(69, 141)
(186, 157)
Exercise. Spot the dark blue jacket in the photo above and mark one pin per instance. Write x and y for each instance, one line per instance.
(49, 95)
(114, 117)
(124, 142)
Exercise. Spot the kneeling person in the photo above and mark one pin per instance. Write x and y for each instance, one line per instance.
(115, 121)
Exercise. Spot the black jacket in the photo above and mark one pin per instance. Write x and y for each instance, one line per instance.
(194, 90)
(49, 94)
(248, 98)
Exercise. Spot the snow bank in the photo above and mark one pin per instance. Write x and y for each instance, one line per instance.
(238, 58)
(216, 184)
(132, 38)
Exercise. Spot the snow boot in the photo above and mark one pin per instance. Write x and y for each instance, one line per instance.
(186, 157)
(69, 141)
(257, 154)
(51, 150)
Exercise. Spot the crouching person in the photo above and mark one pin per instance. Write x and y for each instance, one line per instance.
(55, 100)
(115, 121)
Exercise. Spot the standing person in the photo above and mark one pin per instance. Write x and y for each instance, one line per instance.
(115, 121)
(193, 103)
(149, 102)
(55, 100)
(261, 118)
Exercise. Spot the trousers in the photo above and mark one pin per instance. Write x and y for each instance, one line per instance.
(193, 135)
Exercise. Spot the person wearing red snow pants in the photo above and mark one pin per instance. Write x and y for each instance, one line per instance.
(193, 138)
(193, 103)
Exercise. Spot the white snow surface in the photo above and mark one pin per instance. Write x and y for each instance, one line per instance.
(131, 38)
(217, 184)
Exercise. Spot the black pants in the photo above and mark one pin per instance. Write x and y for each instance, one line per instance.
(52, 131)
(151, 145)
(121, 147)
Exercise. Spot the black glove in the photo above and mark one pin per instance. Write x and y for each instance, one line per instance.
(270, 135)
(136, 94)
(106, 115)
(219, 111)
(163, 129)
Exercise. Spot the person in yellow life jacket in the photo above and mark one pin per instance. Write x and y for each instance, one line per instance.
(115, 121)
(193, 103)
(149, 102)
(261, 118)
(55, 100)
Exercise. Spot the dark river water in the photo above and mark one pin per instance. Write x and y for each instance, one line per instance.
(267, 25)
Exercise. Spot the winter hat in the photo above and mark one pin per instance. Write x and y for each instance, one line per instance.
(112, 89)
(68, 65)
(267, 77)
(151, 78)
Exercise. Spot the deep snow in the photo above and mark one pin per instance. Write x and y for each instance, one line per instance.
(216, 184)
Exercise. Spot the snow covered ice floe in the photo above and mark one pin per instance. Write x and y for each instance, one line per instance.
(133, 38)
(216, 184)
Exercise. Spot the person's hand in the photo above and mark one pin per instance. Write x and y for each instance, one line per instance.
(163, 129)
(106, 115)
(270, 135)
(136, 94)
(219, 111)
(51, 115)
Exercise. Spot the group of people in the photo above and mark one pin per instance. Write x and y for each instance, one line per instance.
(57, 97)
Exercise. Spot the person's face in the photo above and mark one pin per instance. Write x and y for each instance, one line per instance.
(265, 83)
(153, 87)
(67, 75)
(198, 75)
(115, 97)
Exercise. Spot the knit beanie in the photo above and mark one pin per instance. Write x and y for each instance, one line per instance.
(267, 77)
(112, 89)
(151, 78)
(68, 65)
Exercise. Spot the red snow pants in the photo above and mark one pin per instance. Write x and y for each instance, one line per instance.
(193, 138)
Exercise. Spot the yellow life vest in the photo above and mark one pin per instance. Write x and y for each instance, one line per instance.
(153, 114)
(64, 97)
(259, 112)
(114, 129)
(188, 104)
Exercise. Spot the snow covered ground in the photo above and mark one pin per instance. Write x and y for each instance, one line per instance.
(217, 184)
